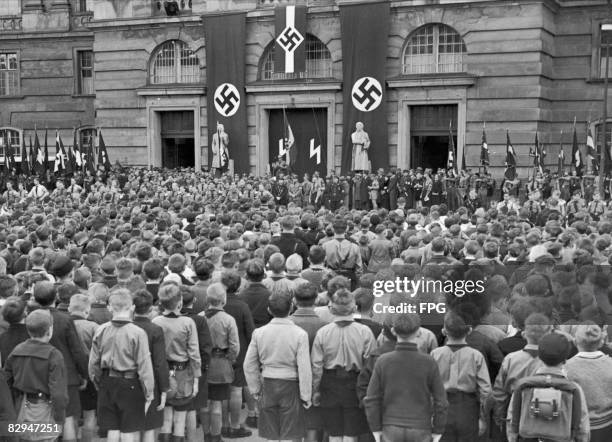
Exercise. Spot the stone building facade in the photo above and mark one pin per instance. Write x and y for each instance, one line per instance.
(128, 67)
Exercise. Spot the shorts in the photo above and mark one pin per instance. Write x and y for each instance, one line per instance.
(74, 402)
(218, 392)
(89, 397)
(392, 433)
(340, 409)
(239, 378)
(281, 414)
(121, 404)
(154, 419)
(201, 399)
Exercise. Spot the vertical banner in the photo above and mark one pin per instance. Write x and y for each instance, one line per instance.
(299, 136)
(290, 31)
(225, 48)
(365, 30)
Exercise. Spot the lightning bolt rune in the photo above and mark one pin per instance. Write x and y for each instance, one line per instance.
(315, 151)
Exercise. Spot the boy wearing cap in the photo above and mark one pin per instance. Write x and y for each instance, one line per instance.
(401, 407)
(592, 370)
(120, 367)
(35, 369)
(552, 351)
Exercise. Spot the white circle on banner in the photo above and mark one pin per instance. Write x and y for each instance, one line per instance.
(227, 99)
(367, 94)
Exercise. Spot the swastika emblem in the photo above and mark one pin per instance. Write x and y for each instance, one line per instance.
(227, 99)
(367, 94)
(290, 39)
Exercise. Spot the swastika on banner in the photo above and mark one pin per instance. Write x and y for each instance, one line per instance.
(290, 39)
(367, 94)
(227, 99)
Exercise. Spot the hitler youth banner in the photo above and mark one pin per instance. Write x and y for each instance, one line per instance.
(290, 31)
(225, 55)
(365, 30)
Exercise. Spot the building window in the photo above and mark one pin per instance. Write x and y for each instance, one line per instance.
(9, 73)
(86, 136)
(82, 5)
(12, 137)
(318, 62)
(605, 40)
(10, 7)
(434, 49)
(85, 73)
(174, 63)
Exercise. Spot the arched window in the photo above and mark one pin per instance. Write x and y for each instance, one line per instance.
(318, 62)
(12, 138)
(174, 63)
(434, 49)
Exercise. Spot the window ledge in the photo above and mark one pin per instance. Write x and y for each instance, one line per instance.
(263, 86)
(12, 97)
(83, 95)
(597, 80)
(433, 80)
(157, 90)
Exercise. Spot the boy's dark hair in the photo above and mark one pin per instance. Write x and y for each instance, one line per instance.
(279, 305)
(13, 310)
(44, 293)
(203, 268)
(152, 268)
(305, 294)
(255, 270)
(364, 299)
(8, 286)
(38, 323)
(186, 295)
(65, 292)
(231, 280)
(316, 255)
(143, 301)
(229, 259)
(455, 326)
(406, 324)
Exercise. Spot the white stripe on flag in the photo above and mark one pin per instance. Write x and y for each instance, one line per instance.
(289, 55)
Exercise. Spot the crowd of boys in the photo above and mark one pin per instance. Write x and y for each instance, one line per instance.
(171, 306)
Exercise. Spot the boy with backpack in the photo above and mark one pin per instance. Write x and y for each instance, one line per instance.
(466, 381)
(519, 364)
(548, 406)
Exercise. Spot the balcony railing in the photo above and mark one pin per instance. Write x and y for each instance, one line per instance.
(10, 24)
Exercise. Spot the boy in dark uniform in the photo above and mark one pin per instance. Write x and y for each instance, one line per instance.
(36, 372)
(143, 307)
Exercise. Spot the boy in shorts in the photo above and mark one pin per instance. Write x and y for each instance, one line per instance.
(120, 367)
(184, 361)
